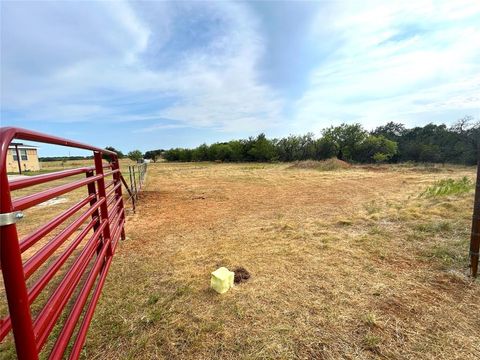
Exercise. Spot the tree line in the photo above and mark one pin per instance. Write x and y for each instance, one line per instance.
(392, 142)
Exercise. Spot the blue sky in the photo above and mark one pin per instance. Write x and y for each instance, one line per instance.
(153, 75)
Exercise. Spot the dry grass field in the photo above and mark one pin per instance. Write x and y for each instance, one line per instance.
(345, 264)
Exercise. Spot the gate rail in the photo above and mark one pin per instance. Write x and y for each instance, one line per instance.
(97, 223)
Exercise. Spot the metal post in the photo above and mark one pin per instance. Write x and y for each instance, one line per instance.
(104, 207)
(135, 183)
(118, 192)
(14, 277)
(475, 238)
(96, 214)
(131, 188)
(129, 192)
(139, 178)
(18, 160)
(131, 181)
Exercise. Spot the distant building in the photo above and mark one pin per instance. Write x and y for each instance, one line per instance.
(28, 158)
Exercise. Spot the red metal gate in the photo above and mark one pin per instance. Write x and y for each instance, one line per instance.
(81, 248)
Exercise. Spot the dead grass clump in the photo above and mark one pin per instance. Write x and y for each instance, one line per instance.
(426, 169)
(324, 165)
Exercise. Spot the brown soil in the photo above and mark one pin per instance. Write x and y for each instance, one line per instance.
(241, 275)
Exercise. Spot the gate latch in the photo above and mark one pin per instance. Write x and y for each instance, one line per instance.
(10, 218)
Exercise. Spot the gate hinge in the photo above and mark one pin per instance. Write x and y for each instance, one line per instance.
(10, 218)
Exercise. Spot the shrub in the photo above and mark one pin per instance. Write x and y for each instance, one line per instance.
(449, 187)
(262, 149)
(135, 155)
(221, 151)
(326, 149)
(375, 148)
(347, 139)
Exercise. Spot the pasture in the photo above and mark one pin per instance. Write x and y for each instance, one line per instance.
(355, 263)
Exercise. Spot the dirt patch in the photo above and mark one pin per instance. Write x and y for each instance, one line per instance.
(54, 201)
(324, 165)
(241, 275)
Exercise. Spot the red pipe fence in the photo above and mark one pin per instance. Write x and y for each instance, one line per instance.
(74, 262)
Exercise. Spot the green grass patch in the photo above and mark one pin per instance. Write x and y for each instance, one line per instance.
(449, 187)
(434, 227)
(450, 253)
(372, 207)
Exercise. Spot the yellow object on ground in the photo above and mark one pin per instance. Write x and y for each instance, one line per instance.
(222, 280)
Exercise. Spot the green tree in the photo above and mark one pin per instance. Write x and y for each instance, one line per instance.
(172, 154)
(200, 153)
(294, 147)
(392, 131)
(391, 142)
(220, 151)
(135, 155)
(262, 149)
(347, 138)
(185, 155)
(376, 149)
(120, 154)
(153, 155)
(430, 143)
(288, 149)
(326, 149)
(238, 150)
(468, 144)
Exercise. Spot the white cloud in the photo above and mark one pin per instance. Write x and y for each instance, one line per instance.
(122, 59)
(159, 127)
(197, 64)
(395, 61)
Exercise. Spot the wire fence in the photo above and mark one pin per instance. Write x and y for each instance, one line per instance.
(137, 176)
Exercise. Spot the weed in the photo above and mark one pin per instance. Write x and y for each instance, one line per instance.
(377, 230)
(370, 319)
(434, 227)
(345, 222)
(153, 299)
(372, 207)
(371, 341)
(449, 187)
(449, 253)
